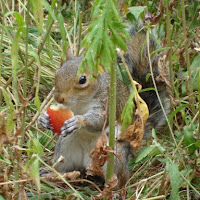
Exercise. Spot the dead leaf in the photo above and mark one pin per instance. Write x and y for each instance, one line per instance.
(4, 139)
(142, 108)
(163, 76)
(134, 133)
(53, 177)
(24, 102)
(108, 187)
(72, 175)
(99, 156)
(181, 59)
(22, 195)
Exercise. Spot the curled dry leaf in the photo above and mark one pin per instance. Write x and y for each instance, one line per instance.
(134, 133)
(72, 175)
(142, 108)
(108, 187)
(24, 102)
(22, 194)
(99, 156)
(4, 138)
(51, 176)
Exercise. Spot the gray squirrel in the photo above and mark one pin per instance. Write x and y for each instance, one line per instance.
(87, 97)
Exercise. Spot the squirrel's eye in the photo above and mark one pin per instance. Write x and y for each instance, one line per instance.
(82, 80)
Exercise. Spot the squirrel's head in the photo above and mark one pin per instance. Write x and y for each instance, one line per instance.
(72, 89)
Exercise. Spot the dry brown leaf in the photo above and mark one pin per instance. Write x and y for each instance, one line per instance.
(4, 139)
(22, 195)
(142, 108)
(134, 133)
(108, 187)
(72, 175)
(53, 177)
(99, 156)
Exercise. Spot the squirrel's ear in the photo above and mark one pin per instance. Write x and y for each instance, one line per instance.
(69, 53)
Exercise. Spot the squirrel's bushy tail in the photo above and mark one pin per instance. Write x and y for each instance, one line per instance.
(136, 58)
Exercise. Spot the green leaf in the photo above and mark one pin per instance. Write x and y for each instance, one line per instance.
(14, 59)
(49, 9)
(127, 112)
(5, 160)
(105, 33)
(37, 8)
(42, 197)
(189, 140)
(157, 144)
(1, 198)
(20, 21)
(197, 144)
(144, 152)
(44, 139)
(118, 40)
(175, 180)
(37, 146)
(61, 26)
(28, 164)
(29, 147)
(37, 100)
(10, 113)
(148, 76)
(158, 50)
(137, 10)
(195, 67)
(177, 110)
(34, 172)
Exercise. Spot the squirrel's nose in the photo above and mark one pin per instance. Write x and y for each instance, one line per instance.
(59, 98)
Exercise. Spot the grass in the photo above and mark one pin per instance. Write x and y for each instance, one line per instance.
(164, 168)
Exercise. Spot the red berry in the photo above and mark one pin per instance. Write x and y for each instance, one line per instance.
(57, 116)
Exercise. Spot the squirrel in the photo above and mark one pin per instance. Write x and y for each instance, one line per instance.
(87, 98)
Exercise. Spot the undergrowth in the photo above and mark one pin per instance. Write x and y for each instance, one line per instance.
(34, 39)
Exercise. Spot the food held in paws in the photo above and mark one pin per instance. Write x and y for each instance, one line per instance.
(58, 114)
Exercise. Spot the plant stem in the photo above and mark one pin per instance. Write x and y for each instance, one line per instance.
(199, 102)
(191, 99)
(1, 48)
(61, 177)
(79, 32)
(155, 86)
(112, 119)
(169, 44)
(25, 84)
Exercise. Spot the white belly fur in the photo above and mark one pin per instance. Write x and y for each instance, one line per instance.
(75, 149)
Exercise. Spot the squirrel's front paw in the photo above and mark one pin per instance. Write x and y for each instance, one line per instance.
(70, 125)
(43, 120)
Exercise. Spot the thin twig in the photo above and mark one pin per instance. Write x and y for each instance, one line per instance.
(43, 106)
(14, 182)
(46, 145)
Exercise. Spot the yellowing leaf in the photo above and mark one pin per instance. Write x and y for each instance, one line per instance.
(100, 69)
(125, 7)
(134, 133)
(142, 108)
